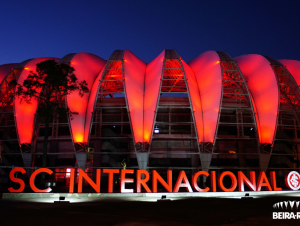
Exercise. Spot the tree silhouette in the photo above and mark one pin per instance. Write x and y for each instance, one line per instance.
(50, 84)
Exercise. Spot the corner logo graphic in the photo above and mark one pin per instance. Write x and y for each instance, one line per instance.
(292, 180)
(284, 206)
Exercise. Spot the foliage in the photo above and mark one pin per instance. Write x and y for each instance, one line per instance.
(50, 85)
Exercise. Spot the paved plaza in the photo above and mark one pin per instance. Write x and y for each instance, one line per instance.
(121, 210)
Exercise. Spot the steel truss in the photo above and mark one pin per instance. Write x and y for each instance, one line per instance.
(9, 144)
(60, 137)
(166, 120)
(111, 123)
(284, 153)
(236, 114)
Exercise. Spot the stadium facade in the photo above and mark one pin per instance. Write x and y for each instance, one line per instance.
(213, 113)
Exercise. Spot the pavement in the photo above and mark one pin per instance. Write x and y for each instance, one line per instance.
(120, 210)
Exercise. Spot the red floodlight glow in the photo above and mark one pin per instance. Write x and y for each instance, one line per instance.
(263, 86)
(5, 70)
(87, 66)
(152, 83)
(293, 66)
(24, 112)
(195, 99)
(209, 78)
(90, 106)
(134, 72)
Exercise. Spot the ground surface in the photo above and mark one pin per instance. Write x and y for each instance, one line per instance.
(192, 211)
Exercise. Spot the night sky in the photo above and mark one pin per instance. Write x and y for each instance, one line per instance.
(33, 28)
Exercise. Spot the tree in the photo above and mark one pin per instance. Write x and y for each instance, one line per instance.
(50, 84)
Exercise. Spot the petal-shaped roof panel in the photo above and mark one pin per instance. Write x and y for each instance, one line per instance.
(263, 86)
(87, 67)
(134, 74)
(5, 69)
(293, 67)
(195, 99)
(6, 89)
(152, 86)
(209, 78)
(90, 106)
(25, 113)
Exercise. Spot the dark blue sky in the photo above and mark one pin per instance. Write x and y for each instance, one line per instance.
(34, 28)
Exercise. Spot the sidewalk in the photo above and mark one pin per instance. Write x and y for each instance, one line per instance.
(117, 211)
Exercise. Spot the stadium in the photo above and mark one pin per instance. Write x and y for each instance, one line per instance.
(213, 113)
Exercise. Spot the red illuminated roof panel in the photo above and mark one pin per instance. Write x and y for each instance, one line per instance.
(87, 67)
(263, 86)
(134, 75)
(24, 112)
(293, 66)
(209, 78)
(152, 86)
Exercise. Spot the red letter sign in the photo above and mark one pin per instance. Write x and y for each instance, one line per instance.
(263, 181)
(33, 175)
(273, 181)
(233, 179)
(185, 184)
(110, 178)
(124, 180)
(72, 177)
(213, 181)
(156, 177)
(16, 180)
(140, 181)
(243, 179)
(194, 181)
(96, 185)
(292, 180)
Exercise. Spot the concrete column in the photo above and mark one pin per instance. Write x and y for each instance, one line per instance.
(96, 157)
(205, 159)
(27, 160)
(142, 159)
(264, 161)
(195, 164)
(81, 160)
